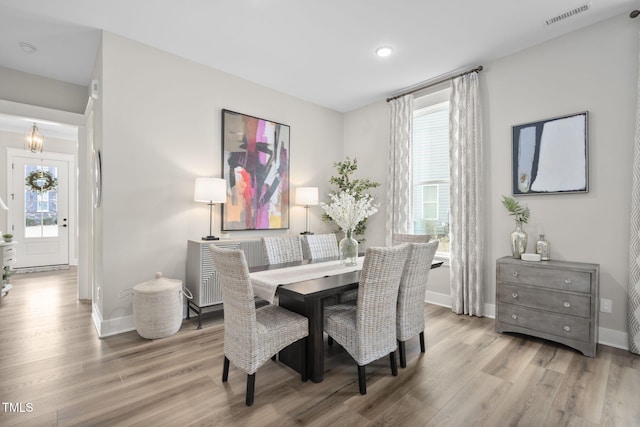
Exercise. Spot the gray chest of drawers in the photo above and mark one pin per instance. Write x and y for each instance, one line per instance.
(554, 300)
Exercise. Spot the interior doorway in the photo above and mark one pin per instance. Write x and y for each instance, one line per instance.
(41, 219)
(64, 132)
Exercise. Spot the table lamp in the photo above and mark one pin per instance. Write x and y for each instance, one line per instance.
(210, 191)
(307, 196)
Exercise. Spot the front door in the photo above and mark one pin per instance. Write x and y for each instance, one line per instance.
(40, 209)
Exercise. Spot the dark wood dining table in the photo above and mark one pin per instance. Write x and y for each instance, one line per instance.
(306, 298)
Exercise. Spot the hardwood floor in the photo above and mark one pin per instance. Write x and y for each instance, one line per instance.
(54, 371)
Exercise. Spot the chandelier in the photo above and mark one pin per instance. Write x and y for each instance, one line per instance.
(34, 140)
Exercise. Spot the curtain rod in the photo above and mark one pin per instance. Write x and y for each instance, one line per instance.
(419, 88)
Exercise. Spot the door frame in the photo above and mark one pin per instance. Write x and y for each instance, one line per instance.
(84, 200)
(72, 234)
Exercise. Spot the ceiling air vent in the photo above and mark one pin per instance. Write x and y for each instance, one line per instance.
(569, 13)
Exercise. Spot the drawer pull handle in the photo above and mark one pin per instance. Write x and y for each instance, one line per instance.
(567, 281)
(567, 328)
(515, 295)
(514, 316)
(566, 304)
(515, 274)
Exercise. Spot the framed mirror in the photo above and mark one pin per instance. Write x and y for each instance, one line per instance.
(551, 156)
(97, 178)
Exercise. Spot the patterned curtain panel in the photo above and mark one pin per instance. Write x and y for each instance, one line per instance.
(633, 305)
(399, 203)
(465, 157)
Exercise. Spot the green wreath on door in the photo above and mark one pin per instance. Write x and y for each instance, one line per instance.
(41, 181)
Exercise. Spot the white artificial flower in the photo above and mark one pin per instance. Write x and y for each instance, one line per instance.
(347, 211)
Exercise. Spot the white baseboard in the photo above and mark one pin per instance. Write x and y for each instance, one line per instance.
(110, 327)
(444, 300)
(609, 337)
(613, 338)
(97, 318)
(120, 325)
(490, 310)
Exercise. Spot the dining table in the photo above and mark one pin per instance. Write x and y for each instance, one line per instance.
(304, 287)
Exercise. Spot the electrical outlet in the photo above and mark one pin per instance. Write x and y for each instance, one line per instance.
(98, 293)
(606, 306)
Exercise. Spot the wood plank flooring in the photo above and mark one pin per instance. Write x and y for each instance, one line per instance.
(54, 371)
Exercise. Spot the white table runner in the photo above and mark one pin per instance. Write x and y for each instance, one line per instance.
(265, 283)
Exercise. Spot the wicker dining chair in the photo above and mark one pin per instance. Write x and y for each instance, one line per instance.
(397, 239)
(367, 330)
(282, 249)
(320, 246)
(252, 336)
(411, 295)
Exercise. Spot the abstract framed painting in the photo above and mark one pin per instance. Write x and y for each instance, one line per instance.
(255, 156)
(551, 156)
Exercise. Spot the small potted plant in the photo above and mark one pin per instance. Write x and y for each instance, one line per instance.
(7, 237)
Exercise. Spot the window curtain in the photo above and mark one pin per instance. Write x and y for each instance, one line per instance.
(465, 157)
(633, 302)
(399, 202)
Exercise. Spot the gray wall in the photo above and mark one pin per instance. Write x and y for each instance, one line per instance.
(159, 117)
(29, 89)
(592, 69)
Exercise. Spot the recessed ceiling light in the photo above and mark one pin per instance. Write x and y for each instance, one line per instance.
(383, 51)
(27, 47)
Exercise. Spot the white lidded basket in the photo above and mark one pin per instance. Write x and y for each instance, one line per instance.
(157, 306)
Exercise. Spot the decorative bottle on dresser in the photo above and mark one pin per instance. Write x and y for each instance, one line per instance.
(542, 248)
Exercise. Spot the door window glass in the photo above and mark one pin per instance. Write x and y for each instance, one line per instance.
(41, 201)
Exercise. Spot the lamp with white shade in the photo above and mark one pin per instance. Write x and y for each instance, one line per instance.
(210, 191)
(307, 196)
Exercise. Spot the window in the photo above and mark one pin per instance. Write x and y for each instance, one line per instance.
(430, 202)
(41, 208)
(43, 202)
(431, 167)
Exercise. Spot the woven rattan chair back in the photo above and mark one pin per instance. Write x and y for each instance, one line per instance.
(398, 239)
(282, 249)
(252, 336)
(367, 330)
(411, 294)
(239, 305)
(377, 299)
(321, 246)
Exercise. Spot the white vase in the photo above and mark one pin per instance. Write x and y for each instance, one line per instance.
(348, 250)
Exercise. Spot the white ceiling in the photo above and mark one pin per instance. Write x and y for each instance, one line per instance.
(320, 51)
